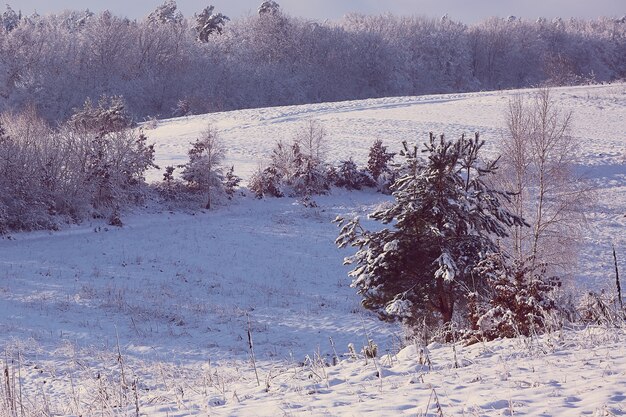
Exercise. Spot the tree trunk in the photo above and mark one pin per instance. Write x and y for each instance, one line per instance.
(446, 314)
(445, 302)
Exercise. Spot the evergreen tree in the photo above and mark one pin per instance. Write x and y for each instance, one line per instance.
(378, 166)
(99, 177)
(10, 20)
(350, 176)
(166, 14)
(309, 177)
(443, 222)
(266, 182)
(269, 7)
(168, 185)
(208, 23)
(378, 160)
(231, 181)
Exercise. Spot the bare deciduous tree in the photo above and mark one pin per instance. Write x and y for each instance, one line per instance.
(312, 140)
(538, 166)
(204, 169)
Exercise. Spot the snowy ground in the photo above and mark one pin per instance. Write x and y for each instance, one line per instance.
(155, 315)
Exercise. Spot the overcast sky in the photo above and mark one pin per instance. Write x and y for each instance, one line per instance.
(468, 11)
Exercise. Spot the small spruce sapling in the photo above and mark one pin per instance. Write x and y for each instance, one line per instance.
(231, 182)
(378, 165)
(349, 176)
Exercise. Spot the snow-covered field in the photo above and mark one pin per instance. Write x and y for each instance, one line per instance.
(153, 318)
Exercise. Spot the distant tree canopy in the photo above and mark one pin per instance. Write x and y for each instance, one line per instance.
(55, 62)
(208, 23)
(269, 7)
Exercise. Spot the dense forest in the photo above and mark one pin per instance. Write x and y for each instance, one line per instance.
(167, 64)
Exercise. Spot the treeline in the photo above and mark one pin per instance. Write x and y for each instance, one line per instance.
(168, 65)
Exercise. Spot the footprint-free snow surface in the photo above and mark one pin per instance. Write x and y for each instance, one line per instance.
(155, 318)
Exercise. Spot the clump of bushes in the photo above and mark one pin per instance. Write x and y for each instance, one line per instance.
(93, 165)
(299, 169)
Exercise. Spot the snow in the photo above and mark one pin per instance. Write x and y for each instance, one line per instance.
(174, 292)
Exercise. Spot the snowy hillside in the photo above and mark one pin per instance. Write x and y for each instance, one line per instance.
(599, 114)
(153, 318)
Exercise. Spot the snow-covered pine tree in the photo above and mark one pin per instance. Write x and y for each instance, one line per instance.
(269, 7)
(166, 13)
(167, 186)
(308, 152)
(272, 180)
(208, 22)
(309, 177)
(10, 20)
(444, 219)
(231, 182)
(99, 178)
(266, 182)
(349, 176)
(378, 160)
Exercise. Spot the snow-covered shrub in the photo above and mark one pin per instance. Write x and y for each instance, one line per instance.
(444, 219)
(266, 182)
(297, 169)
(31, 167)
(108, 116)
(348, 175)
(516, 300)
(600, 308)
(54, 176)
